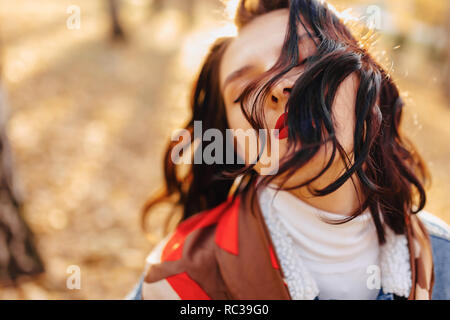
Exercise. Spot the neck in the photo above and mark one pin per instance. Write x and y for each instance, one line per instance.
(343, 201)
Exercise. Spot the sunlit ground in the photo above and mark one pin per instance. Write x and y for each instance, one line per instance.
(89, 121)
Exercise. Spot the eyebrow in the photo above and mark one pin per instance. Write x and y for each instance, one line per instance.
(247, 68)
(237, 74)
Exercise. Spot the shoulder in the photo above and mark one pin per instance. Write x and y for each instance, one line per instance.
(183, 265)
(439, 233)
(217, 222)
(172, 246)
(435, 226)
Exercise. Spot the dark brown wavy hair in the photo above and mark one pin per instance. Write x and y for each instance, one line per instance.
(391, 172)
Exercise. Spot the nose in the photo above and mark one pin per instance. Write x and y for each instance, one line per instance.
(280, 93)
(282, 89)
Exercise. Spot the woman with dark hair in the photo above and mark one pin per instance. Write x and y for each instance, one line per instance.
(338, 214)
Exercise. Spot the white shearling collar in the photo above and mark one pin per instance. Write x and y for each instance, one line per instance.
(395, 269)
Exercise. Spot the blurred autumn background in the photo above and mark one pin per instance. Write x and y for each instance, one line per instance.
(87, 106)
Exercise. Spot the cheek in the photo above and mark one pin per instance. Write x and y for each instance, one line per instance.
(248, 140)
(239, 125)
(241, 128)
(344, 118)
(236, 119)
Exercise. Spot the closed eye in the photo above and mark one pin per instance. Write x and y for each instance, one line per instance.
(239, 98)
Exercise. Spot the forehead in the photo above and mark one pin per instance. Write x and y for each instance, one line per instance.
(259, 42)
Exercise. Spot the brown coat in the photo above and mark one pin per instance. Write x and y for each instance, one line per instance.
(227, 253)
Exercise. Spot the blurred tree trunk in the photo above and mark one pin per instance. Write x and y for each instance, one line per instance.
(187, 7)
(189, 10)
(18, 255)
(157, 5)
(116, 27)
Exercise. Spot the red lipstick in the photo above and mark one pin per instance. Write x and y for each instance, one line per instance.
(282, 126)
